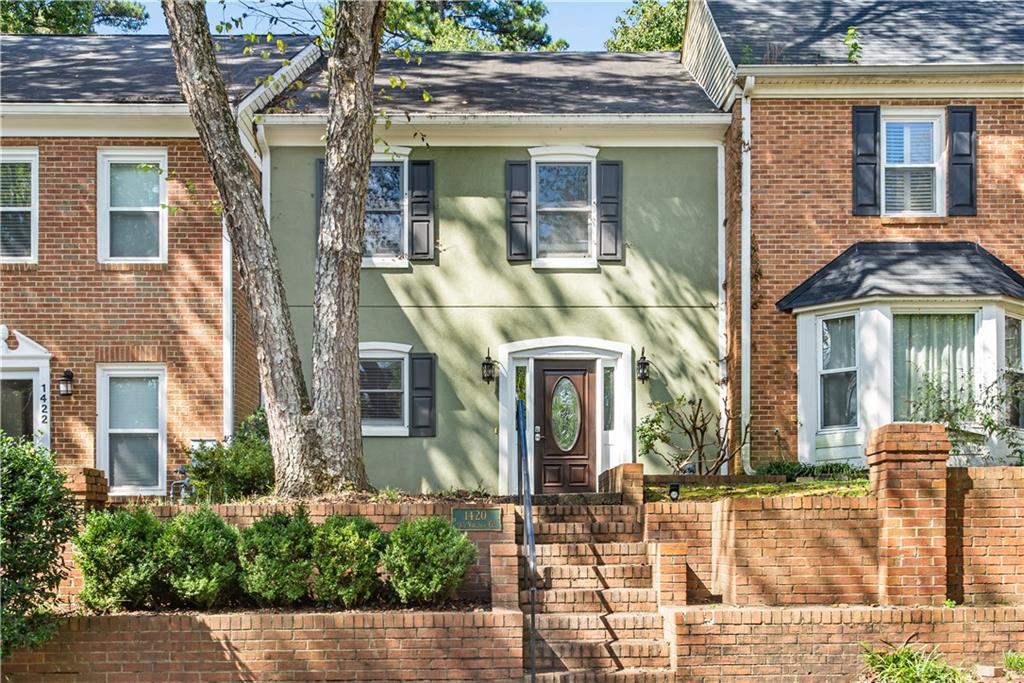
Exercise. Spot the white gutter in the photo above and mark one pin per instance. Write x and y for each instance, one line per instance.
(745, 266)
(880, 69)
(93, 108)
(228, 332)
(512, 119)
(261, 139)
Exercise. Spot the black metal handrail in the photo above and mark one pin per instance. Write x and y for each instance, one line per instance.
(525, 497)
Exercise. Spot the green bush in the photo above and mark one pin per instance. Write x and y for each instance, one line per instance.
(38, 517)
(906, 664)
(792, 470)
(117, 555)
(224, 472)
(346, 554)
(426, 560)
(276, 558)
(1014, 661)
(198, 552)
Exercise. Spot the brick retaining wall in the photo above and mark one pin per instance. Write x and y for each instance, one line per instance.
(823, 644)
(287, 646)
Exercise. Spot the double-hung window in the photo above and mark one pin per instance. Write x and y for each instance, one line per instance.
(132, 205)
(132, 427)
(1014, 363)
(913, 181)
(386, 239)
(19, 205)
(564, 201)
(837, 372)
(384, 388)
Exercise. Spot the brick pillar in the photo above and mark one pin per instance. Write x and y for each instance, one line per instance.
(907, 464)
(88, 485)
(504, 576)
(626, 479)
(668, 566)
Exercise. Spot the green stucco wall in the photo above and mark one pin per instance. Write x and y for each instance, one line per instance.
(664, 295)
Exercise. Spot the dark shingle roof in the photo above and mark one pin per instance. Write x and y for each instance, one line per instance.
(528, 83)
(891, 31)
(907, 269)
(119, 68)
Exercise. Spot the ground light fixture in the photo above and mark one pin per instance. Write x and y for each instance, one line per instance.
(673, 491)
(643, 366)
(487, 368)
(64, 384)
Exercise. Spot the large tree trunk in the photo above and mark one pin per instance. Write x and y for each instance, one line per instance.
(317, 448)
(358, 27)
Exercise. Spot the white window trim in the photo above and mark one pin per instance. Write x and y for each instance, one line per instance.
(564, 154)
(106, 371)
(1003, 366)
(820, 326)
(30, 360)
(394, 155)
(139, 155)
(390, 351)
(22, 155)
(910, 114)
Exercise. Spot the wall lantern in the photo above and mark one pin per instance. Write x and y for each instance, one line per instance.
(65, 382)
(487, 368)
(643, 366)
(673, 492)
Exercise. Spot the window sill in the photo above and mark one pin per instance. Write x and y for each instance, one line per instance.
(385, 262)
(129, 491)
(565, 264)
(131, 265)
(914, 220)
(385, 431)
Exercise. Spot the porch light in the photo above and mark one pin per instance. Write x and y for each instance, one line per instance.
(673, 492)
(487, 368)
(643, 366)
(65, 382)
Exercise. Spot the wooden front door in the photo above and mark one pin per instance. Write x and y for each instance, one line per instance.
(564, 449)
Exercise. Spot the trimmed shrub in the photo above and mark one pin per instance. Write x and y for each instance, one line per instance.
(426, 560)
(199, 555)
(224, 472)
(346, 554)
(276, 558)
(117, 555)
(38, 517)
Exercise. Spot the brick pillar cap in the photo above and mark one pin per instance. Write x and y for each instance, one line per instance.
(922, 440)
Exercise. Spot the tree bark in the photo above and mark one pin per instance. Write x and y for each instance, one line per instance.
(317, 445)
(358, 27)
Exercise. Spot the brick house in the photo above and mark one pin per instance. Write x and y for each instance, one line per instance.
(875, 200)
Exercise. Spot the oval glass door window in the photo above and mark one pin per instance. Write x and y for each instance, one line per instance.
(565, 414)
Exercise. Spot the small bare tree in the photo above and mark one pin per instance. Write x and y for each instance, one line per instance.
(690, 436)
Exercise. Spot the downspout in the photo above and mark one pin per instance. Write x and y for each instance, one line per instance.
(745, 266)
(228, 329)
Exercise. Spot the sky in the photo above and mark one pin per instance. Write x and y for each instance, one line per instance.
(586, 25)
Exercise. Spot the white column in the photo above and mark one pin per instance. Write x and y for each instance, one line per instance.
(875, 373)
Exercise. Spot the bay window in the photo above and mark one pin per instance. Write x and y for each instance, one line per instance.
(838, 372)
(933, 362)
(1014, 365)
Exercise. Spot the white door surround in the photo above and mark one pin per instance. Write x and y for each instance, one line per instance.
(29, 360)
(616, 445)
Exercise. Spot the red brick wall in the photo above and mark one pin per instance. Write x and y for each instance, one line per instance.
(285, 646)
(985, 534)
(801, 219)
(85, 312)
(823, 643)
(689, 523)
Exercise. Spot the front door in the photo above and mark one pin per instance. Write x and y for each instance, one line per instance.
(564, 448)
(17, 407)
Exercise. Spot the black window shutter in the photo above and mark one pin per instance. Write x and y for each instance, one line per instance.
(962, 195)
(517, 210)
(866, 137)
(609, 210)
(422, 394)
(319, 198)
(421, 210)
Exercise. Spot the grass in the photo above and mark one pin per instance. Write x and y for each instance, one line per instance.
(906, 664)
(819, 487)
(1014, 661)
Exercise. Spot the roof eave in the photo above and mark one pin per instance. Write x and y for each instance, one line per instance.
(316, 118)
(946, 69)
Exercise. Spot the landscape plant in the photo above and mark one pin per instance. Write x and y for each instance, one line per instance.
(1014, 661)
(426, 560)
(241, 467)
(198, 554)
(275, 554)
(346, 558)
(690, 435)
(908, 664)
(39, 517)
(117, 555)
(792, 470)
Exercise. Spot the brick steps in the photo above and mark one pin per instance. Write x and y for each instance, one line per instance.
(588, 532)
(601, 655)
(591, 576)
(562, 600)
(592, 553)
(589, 626)
(622, 676)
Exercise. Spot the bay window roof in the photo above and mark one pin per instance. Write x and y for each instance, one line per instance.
(907, 269)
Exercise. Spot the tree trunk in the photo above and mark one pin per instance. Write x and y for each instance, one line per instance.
(358, 27)
(317, 448)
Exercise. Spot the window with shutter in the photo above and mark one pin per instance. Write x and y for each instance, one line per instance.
(564, 181)
(912, 172)
(384, 388)
(19, 205)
